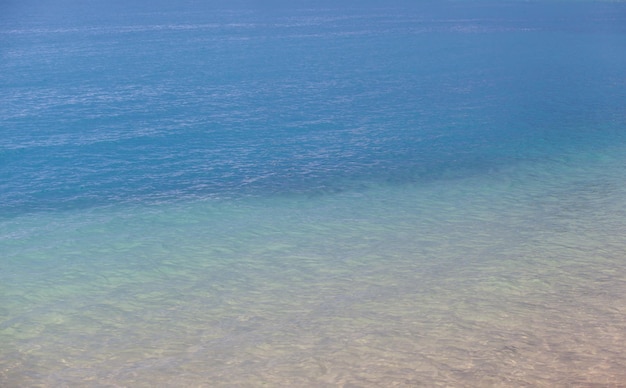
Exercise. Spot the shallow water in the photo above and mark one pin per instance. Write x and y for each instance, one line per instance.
(343, 196)
(510, 279)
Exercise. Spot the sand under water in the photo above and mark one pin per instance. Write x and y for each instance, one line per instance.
(511, 279)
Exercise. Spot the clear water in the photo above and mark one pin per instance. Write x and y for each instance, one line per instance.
(312, 194)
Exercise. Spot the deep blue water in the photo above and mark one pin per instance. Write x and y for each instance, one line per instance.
(112, 103)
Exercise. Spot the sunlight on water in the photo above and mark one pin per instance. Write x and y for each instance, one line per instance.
(465, 282)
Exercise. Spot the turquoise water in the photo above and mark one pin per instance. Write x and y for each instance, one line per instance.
(298, 195)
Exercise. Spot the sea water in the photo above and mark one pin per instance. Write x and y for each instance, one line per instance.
(312, 194)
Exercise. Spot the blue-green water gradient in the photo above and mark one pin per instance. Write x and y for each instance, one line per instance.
(328, 194)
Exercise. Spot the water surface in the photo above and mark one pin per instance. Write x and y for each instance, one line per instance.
(299, 195)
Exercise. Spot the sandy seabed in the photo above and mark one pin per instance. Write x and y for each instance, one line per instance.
(514, 278)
